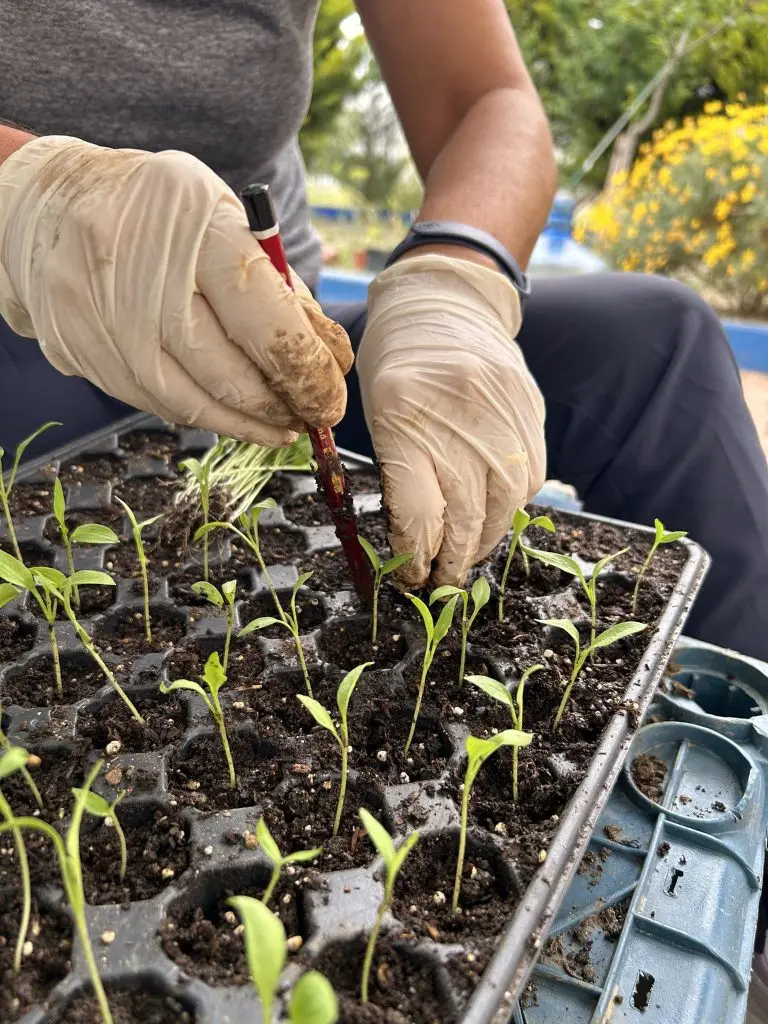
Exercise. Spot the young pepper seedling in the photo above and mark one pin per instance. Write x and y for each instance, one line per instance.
(481, 595)
(136, 530)
(270, 848)
(86, 533)
(380, 570)
(604, 639)
(435, 632)
(321, 716)
(661, 537)
(218, 598)
(521, 520)
(478, 752)
(214, 678)
(312, 1000)
(6, 489)
(394, 858)
(290, 620)
(15, 759)
(499, 692)
(201, 471)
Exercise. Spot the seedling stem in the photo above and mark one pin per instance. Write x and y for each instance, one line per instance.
(435, 632)
(661, 537)
(136, 530)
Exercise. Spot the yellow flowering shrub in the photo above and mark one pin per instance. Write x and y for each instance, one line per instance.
(694, 205)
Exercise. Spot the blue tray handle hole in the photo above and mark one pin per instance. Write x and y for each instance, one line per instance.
(642, 993)
(717, 695)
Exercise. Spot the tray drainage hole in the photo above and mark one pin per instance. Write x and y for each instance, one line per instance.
(672, 879)
(643, 988)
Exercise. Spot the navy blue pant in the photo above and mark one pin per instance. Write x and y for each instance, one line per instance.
(645, 418)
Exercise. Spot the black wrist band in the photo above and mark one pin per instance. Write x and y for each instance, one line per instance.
(448, 232)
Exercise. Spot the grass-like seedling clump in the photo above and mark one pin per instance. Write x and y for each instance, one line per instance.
(218, 598)
(67, 851)
(312, 1000)
(341, 735)
(478, 752)
(435, 631)
(201, 474)
(569, 565)
(290, 620)
(214, 678)
(605, 639)
(136, 530)
(380, 570)
(270, 848)
(6, 489)
(481, 595)
(521, 520)
(86, 533)
(661, 537)
(499, 692)
(12, 760)
(394, 858)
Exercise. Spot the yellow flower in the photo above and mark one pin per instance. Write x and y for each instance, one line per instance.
(713, 107)
(639, 212)
(710, 173)
(730, 270)
(654, 206)
(712, 256)
(722, 210)
(748, 258)
(695, 223)
(739, 172)
(749, 192)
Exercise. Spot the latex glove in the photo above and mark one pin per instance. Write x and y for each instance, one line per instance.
(138, 272)
(456, 419)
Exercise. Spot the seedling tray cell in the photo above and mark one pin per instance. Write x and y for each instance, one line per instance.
(165, 947)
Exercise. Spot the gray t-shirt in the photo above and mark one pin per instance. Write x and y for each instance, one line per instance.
(226, 80)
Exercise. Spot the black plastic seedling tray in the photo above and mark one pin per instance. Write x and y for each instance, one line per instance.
(213, 853)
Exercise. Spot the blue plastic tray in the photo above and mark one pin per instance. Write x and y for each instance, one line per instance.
(683, 869)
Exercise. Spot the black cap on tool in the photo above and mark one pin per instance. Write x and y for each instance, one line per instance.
(259, 207)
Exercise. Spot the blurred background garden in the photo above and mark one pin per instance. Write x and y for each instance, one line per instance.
(659, 111)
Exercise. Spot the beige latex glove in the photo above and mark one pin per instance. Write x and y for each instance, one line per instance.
(456, 419)
(138, 272)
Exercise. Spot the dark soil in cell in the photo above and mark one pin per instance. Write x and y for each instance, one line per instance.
(123, 561)
(329, 571)
(278, 545)
(16, 637)
(198, 775)
(403, 987)
(48, 963)
(158, 852)
(246, 662)
(61, 767)
(34, 685)
(309, 607)
(165, 718)
(30, 500)
(150, 444)
(32, 553)
(279, 488)
(206, 940)
(373, 527)
(649, 774)
(91, 468)
(137, 1006)
(147, 497)
(365, 482)
(122, 634)
(347, 643)
(92, 601)
(308, 510)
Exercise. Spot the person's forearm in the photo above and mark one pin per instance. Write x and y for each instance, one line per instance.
(11, 139)
(496, 171)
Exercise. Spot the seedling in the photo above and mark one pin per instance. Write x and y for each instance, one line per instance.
(6, 489)
(380, 570)
(136, 530)
(214, 678)
(662, 537)
(478, 752)
(218, 598)
(481, 595)
(68, 856)
(435, 632)
(100, 808)
(87, 533)
(272, 850)
(16, 759)
(569, 565)
(500, 693)
(201, 472)
(521, 520)
(313, 1000)
(605, 639)
(393, 858)
(33, 759)
(321, 716)
(290, 620)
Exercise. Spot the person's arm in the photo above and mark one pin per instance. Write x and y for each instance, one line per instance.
(471, 115)
(11, 139)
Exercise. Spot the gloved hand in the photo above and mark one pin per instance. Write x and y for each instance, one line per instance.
(138, 272)
(456, 419)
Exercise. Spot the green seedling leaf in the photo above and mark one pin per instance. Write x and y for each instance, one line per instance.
(264, 948)
(209, 592)
(45, 574)
(213, 674)
(313, 1001)
(59, 505)
(93, 533)
(599, 566)
(346, 687)
(617, 632)
(562, 562)
(478, 751)
(442, 592)
(302, 580)
(444, 621)
(147, 522)
(14, 571)
(22, 447)
(229, 589)
(318, 712)
(379, 836)
(493, 688)
(520, 519)
(7, 593)
(394, 563)
(566, 625)
(426, 615)
(267, 842)
(662, 537)
(303, 856)
(86, 577)
(260, 623)
(402, 852)
(480, 593)
(373, 558)
(12, 760)
(184, 684)
(193, 466)
(93, 803)
(544, 523)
